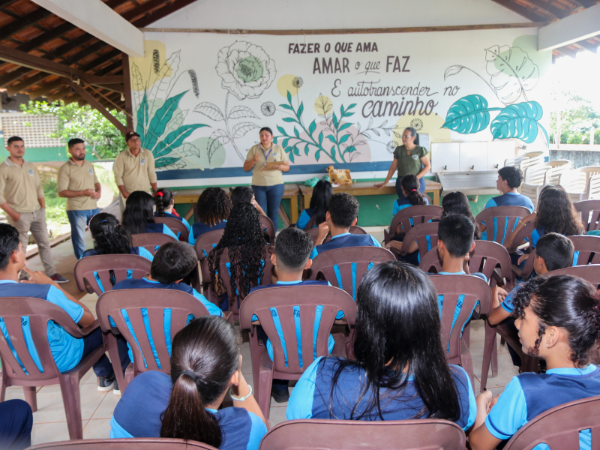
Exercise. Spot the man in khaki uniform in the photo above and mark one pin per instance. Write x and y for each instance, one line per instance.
(78, 183)
(22, 199)
(134, 168)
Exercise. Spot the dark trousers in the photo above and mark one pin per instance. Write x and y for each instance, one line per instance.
(399, 187)
(16, 421)
(269, 199)
(103, 367)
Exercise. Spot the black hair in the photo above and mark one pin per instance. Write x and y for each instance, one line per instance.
(413, 133)
(213, 206)
(398, 336)
(110, 237)
(14, 139)
(9, 242)
(266, 129)
(343, 209)
(556, 213)
(205, 356)
(566, 302)
(242, 194)
(173, 261)
(556, 250)
(163, 199)
(456, 232)
(410, 183)
(293, 248)
(512, 175)
(457, 203)
(139, 210)
(319, 202)
(73, 142)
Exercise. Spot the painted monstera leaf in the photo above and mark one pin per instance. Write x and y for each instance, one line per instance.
(511, 71)
(519, 121)
(468, 115)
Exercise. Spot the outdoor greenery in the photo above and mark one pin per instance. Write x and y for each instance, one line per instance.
(578, 116)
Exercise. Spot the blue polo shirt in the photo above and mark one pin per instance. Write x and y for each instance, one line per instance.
(140, 251)
(345, 240)
(159, 228)
(312, 396)
(305, 217)
(199, 228)
(66, 350)
(138, 414)
(508, 199)
(528, 395)
(173, 216)
(403, 203)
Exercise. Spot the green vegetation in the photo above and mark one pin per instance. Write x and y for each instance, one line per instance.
(577, 117)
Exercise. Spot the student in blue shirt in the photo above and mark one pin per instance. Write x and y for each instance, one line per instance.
(319, 203)
(165, 206)
(457, 202)
(16, 422)
(212, 211)
(205, 368)
(341, 215)
(138, 216)
(400, 370)
(67, 351)
(110, 238)
(558, 319)
(412, 195)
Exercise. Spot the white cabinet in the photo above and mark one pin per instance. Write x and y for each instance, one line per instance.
(444, 157)
(473, 156)
(467, 157)
(498, 152)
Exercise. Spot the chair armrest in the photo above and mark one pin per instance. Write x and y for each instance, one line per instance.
(89, 329)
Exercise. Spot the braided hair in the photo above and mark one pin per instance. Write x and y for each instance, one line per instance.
(163, 199)
(110, 237)
(410, 184)
(213, 206)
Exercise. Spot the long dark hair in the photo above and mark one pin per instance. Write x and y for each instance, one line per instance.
(413, 133)
(162, 199)
(398, 335)
(566, 302)
(319, 201)
(213, 206)
(457, 203)
(245, 241)
(138, 212)
(110, 238)
(242, 194)
(410, 183)
(205, 355)
(556, 213)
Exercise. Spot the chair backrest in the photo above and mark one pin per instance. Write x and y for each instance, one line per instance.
(151, 241)
(575, 183)
(176, 226)
(536, 174)
(345, 267)
(148, 319)
(426, 236)
(421, 434)
(532, 191)
(516, 161)
(590, 214)
(553, 175)
(560, 163)
(293, 308)
(455, 289)
(500, 221)
(559, 427)
(311, 223)
(101, 272)
(587, 250)
(593, 192)
(267, 226)
(205, 243)
(124, 444)
(414, 215)
(590, 273)
(523, 234)
(314, 233)
(531, 159)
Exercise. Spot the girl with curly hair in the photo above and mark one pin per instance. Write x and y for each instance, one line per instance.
(164, 202)
(212, 211)
(138, 216)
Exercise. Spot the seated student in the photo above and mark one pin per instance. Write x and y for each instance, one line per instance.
(16, 422)
(110, 238)
(205, 368)
(558, 319)
(319, 202)
(412, 196)
(67, 351)
(212, 211)
(399, 371)
(457, 203)
(245, 194)
(165, 206)
(341, 215)
(138, 216)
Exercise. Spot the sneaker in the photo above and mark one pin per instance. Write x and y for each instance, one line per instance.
(59, 278)
(280, 395)
(116, 390)
(106, 383)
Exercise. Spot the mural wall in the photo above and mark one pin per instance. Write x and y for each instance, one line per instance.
(200, 99)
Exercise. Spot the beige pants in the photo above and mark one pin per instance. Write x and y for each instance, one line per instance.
(36, 223)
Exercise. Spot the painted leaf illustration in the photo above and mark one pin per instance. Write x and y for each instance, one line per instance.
(142, 119)
(219, 136)
(511, 72)
(518, 121)
(242, 128)
(162, 162)
(452, 70)
(210, 110)
(161, 119)
(239, 112)
(161, 81)
(138, 83)
(468, 115)
(175, 138)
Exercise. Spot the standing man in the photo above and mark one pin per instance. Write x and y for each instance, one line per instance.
(134, 169)
(78, 183)
(22, 199)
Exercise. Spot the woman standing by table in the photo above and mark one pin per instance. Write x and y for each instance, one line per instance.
(267, 162)
(409, 158)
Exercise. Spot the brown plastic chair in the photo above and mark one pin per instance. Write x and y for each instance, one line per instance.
(559, 427)
(154, 301)
(474, 289)
(314, 233)
(419, 214)
(590, 214)
(588, 248)
(267, 226)
(284, 298)
(151, 241)
(523, 234)
(203, 246)
(590, 273)
(124, 444)
(496, 218)
(419, 233)
(345, 267)
(312, 223)
(40, 312)
(176, 226)
(421, 434)
(101, 272)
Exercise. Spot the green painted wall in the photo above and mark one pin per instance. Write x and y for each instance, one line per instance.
(44, 154)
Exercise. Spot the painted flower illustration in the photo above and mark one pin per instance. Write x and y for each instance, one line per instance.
(297, 82)
(246, 70)
(390, 147)
(268, 109)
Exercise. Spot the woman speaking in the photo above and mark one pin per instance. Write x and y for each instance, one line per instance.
(409, 158)
(267, 162)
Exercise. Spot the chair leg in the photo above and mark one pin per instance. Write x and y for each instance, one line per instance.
(255, 349)
(113, 352)
(467, 362)
(264, 393)
(31, 397)
(69, 387)
(490, 355)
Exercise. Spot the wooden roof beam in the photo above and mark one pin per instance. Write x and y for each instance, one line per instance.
(567, 51)
(23, 22)
(96, 104)
(12, 90)
(527, 13)
(162, 12)
(583, 25)
(46, 88)
(550, 8)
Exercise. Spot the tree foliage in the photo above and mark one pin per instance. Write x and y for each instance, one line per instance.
(578, 117)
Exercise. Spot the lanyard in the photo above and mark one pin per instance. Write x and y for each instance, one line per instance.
(266, 155)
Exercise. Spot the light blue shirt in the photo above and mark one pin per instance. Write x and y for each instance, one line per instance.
(315, 252)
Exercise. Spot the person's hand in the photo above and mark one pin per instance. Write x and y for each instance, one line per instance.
(256, 158)
(126, 195)
(498, 296)
(15, 216)
(389, 244)
(484, 401)
(89, 193)
(380, 185)
(323, 231)
(37, 277)
(97, 195)
(523, 258)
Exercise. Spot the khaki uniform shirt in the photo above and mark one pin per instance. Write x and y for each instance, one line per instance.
(267, 177)
(20, 186)
(135, 172)
(74, 178)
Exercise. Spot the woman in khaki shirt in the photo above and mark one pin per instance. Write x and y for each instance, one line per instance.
(267, 162)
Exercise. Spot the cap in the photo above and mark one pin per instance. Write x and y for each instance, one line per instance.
(131, 134)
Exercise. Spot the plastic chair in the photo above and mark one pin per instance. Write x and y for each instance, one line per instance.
(40, 312)
(124, 444)
(420, 233)
(559, 427)
(176, 226)
(203, 246)
(575, 182)
(314, 233)
(150, 241)
(345, 267)
(590, 273)
(500, 221)
(101, 272)
(594, 188)
(285, 299)
(587, 249)
(267, 226)
(154, 301)
(421, 434)
(590, 214)
(411, 216)
(525, 160)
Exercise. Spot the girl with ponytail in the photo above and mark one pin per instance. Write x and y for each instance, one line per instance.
(205, 368)
(138, 216)
(558, 319)
(164, 202)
